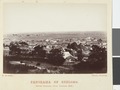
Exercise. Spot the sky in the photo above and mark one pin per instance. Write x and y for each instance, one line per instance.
(27, 18)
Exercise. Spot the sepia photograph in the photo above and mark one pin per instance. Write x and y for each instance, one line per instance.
(56, 44)
(55, 39)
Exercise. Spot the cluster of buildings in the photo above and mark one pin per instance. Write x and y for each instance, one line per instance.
(49, 44)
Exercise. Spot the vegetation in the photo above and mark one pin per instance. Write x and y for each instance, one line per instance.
(96, 56)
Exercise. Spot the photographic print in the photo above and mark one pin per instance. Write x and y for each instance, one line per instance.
(55, 39)
(55, 44)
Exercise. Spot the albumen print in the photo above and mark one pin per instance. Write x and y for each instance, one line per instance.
(55, 39)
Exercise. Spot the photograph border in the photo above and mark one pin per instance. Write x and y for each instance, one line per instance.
(106, 79)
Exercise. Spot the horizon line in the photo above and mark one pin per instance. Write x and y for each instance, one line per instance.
(53, 32)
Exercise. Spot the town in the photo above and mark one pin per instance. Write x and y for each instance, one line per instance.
(58, 55)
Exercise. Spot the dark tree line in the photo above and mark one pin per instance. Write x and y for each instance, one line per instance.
(96, 60)
(56, 57)
(39, 51)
